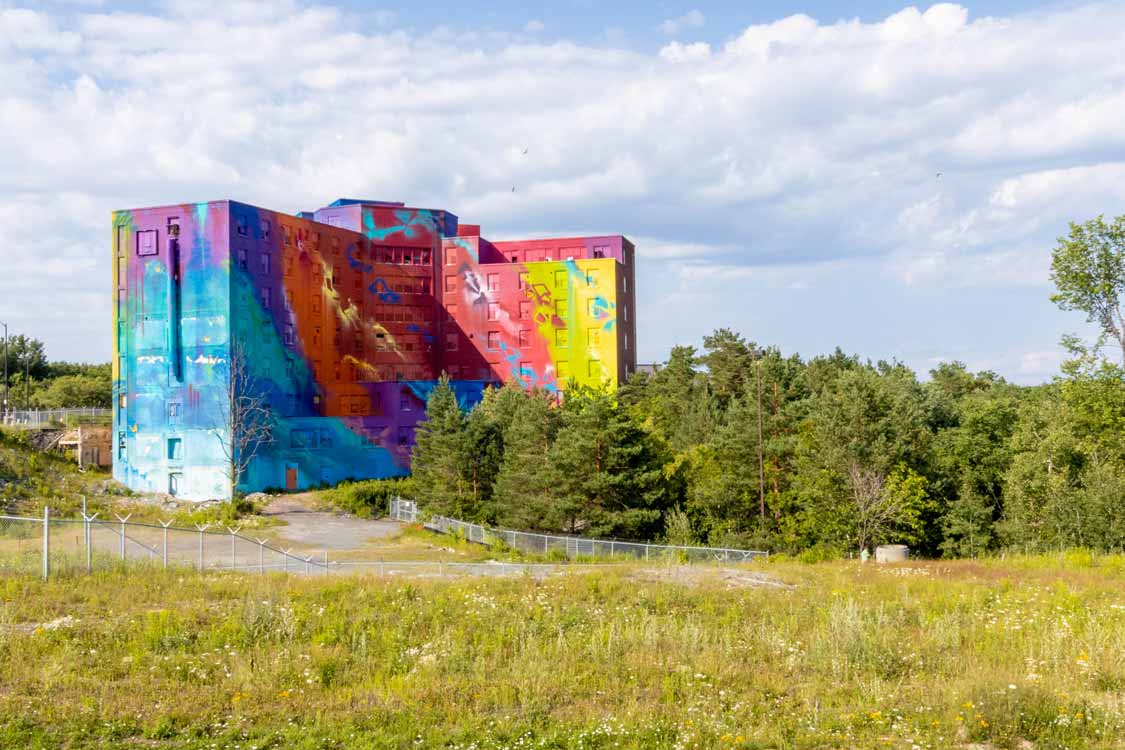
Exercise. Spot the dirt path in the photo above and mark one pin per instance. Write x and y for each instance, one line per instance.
(325, 530)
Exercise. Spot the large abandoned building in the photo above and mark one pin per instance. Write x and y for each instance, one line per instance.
(255, 349)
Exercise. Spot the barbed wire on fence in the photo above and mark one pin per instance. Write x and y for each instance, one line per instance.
(569, 546)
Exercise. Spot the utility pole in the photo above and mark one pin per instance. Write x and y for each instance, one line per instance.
(4, 410)
(758, 354)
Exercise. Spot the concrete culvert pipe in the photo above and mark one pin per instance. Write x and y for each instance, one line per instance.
(889, 553)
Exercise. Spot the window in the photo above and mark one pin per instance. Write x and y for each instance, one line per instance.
(175, 449)
(240, 225)
(121, 445)
(493, 282)
(562, 369)
(561, 308)
(290, 337)
(595, 368)
(450, 283)
(451, 342)
(592, 278)
(524, 283)
(265, 295)
(426, 285)
(242, 258)
(601, 251)
(121, 400)
(265, 227)
(593, 336)
(264, 263)
(560, 279)
(299, 439)
(525, 310)
(404, 435)
(562, 337)
(451, 312)
(146, 242)
(493, 340)
(592, 307)
(450, 256)
(494, 311)
(515, 259)
(174, 483)
(404, 404)
(525, 337)
(174, 410)
(325, 438)
(289, 300)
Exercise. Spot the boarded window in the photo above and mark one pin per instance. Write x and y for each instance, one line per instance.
(146, 242)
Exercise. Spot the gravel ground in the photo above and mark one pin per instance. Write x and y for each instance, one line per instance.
(324, 530)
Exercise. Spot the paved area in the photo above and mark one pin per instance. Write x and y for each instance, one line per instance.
(324, 530)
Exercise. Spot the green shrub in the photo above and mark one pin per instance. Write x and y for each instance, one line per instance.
(368, 498)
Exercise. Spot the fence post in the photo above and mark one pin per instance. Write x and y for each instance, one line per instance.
(285, 557)
(325, 562)
(201, 529)
(307, 561)
(123, 520)
(46, 542)
(261, 556)
(164, 557)
(86, 533)
(382, 571)
(86, 521)
(233, 538)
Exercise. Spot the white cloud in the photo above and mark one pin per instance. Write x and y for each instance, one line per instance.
(534, 26)
(693, 19)
(796, 145)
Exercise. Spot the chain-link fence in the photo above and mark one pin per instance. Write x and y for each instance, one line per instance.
(50, 547)
(569, 547)
(64, 545)
(35, 418)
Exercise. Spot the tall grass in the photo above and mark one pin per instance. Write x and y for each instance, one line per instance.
(926, 656)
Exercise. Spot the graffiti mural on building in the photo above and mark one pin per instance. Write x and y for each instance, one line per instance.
(342, 319)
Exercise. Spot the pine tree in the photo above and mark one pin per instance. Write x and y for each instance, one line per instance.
(438, 457)
(523, 492)
(606, 471)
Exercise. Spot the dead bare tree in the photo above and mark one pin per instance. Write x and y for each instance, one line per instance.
(244, 409)
(876, 509)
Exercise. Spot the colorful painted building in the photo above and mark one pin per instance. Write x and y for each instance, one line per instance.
(330, 329)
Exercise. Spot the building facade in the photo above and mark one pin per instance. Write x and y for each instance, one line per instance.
(255, 349)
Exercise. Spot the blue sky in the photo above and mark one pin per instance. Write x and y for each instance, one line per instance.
(775, 163)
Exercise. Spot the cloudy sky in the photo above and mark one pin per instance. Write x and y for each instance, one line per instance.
(777, 166)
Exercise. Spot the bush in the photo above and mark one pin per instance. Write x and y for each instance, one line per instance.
(368, 498)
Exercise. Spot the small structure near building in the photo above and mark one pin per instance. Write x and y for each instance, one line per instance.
(890, 553)
(91, 445)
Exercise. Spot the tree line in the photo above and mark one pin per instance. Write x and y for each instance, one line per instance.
(36, 382)
(738, 444)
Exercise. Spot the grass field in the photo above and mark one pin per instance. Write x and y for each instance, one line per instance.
(1024, 653)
